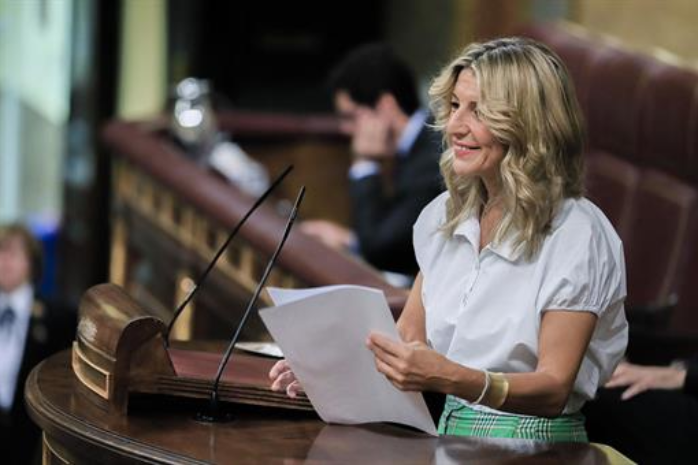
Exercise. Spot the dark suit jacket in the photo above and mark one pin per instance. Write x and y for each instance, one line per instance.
(383, 219)
(51, 329)
(690, 386)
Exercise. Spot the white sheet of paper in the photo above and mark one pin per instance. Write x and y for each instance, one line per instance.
(270, 349)
(322, 333)
(280, 295)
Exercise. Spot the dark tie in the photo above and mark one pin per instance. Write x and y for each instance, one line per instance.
(7, 319)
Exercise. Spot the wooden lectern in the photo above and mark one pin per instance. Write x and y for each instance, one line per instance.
(120, 350)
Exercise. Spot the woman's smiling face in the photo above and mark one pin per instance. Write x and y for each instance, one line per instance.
(476, 151)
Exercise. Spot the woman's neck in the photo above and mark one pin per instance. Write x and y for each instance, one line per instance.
(493, 186)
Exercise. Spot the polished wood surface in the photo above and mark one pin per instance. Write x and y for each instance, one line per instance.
(120, 351)
(244, 380)
(161, 430)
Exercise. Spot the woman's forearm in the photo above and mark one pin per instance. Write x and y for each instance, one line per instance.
(535, 393)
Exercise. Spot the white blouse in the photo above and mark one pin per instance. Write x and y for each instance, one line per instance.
(483, 310)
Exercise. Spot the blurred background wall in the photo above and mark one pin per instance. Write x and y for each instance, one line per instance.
(644, 24)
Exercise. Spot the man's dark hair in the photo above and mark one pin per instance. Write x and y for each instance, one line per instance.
(371, 70)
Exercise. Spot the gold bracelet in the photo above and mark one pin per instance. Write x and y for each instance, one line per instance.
(497, 392)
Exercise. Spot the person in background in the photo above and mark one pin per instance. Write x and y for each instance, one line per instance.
(375, 96)
(649, 413)
(30, 330)
(517, 314)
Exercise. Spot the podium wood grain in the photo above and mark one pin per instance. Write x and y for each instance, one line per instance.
(77, 429)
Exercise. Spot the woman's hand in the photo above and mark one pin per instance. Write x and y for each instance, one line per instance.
(283, 379)
(641, 378)
(410, 366)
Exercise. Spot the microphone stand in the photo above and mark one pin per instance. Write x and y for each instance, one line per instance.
(213, 413)
(203, 276)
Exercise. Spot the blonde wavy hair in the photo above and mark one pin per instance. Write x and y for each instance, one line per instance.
(528, 103)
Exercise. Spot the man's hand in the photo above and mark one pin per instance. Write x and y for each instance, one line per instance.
(410, 366)
(373, 138)
(641, 378)
(331, 234)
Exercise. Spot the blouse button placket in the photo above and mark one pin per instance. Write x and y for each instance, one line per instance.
(471, 281)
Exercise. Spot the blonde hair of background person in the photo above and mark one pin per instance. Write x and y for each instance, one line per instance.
(542, 133)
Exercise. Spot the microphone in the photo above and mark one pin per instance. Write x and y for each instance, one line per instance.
(203, 276)
(213, 413)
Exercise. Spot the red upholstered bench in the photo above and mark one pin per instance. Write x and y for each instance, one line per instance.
(642, 169)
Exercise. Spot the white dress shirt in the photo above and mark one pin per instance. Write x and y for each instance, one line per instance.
(12, 342)
(483, 309)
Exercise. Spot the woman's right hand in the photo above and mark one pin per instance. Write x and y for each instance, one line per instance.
(283, 379)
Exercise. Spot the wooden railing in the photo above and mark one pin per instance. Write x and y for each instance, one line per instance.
(171, 215)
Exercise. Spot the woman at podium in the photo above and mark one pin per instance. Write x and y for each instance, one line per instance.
(517, 314)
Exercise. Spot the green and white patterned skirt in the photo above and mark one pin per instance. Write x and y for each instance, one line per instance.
(461, 420)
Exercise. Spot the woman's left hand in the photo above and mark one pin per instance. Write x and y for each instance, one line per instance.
(410, 366)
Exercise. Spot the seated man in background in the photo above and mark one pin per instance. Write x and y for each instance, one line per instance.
(649, 413)
(395, 167)
(30, 330)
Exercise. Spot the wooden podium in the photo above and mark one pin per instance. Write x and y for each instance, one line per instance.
(163, 430)
(120, 351)
(121, 395)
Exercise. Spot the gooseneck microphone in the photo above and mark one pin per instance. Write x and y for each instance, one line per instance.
(203, 276)
(213, 413)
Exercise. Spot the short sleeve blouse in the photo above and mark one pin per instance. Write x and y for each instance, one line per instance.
(483, 308)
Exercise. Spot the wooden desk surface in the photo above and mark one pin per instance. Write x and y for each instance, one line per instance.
(77, 430)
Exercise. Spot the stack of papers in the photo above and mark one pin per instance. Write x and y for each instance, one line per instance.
(322, 333)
